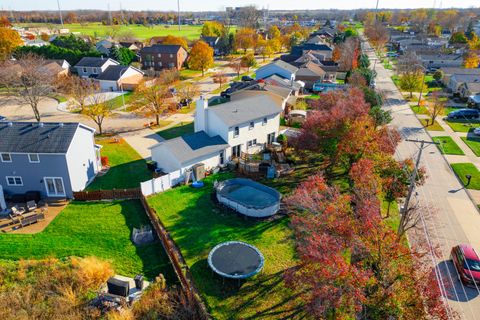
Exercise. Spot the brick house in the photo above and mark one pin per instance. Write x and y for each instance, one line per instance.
(159, 57)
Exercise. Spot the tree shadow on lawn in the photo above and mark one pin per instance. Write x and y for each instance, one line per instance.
(153, 256)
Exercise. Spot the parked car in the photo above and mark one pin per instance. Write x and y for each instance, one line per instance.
(464, 114)
(247, 78)
(466, 261)
(476, 131)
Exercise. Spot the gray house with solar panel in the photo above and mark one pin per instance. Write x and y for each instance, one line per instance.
(55, 159)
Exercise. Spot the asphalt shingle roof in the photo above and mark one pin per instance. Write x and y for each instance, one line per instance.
(30, 137)
(245, 110)
(193, 146)
(94, 62)
(113, 73)
(162, 48)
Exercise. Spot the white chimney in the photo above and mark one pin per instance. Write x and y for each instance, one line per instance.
(201, 121)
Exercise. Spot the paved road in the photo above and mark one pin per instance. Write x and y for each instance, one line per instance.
(451, 217)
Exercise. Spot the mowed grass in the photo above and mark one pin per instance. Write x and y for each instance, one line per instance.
(176, 131)
(140, 31)
(462, 125)
(100, 229)
(117, 103)
(127, 168)
(419, 109)
(473, 143)
(197, 225)
(462, 169)
(447, 145)
(427, 124)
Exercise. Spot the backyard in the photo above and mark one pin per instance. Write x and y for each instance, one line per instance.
(127, 167)
(100, 229)
(176, 131)
(197, 225)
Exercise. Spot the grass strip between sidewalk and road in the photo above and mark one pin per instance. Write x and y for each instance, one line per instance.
(473, 143)
(448, 146)
(464, 169)
(426, 123)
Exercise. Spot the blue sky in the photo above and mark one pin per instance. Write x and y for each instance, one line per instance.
(203, 5)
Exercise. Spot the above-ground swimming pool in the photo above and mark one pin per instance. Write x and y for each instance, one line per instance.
(235, 260)
(248, 197)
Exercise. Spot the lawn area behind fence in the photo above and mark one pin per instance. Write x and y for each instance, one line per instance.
(462, 169)
(197, 224)
(100, 229)
(448, 146)
(127, 167)
(176, 131)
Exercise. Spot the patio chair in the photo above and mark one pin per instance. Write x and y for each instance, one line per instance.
(31, 206)
(18, 211)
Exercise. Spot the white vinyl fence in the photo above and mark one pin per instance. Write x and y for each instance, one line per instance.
(162, 183)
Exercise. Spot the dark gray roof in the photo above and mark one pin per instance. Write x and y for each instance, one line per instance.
(94, 62)
(286, 66)
(245, 110)
(30, 137)
(113, 73)
(162, 48)
(193, 146)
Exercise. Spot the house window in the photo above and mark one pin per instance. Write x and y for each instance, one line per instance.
(84, 70)
(159, 55)
(251, 143)
(236, 132)
(14, 181)
(171, 65)
(33, 158)
(222, 157)
(251, 126)
(95, 70)
(6, 157)
(265, 120)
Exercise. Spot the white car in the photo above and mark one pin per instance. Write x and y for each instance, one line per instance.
(476, 131)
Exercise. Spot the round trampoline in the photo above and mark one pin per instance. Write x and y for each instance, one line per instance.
(235, 260)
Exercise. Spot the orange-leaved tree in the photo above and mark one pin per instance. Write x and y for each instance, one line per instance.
(9, 40)
(201, 57)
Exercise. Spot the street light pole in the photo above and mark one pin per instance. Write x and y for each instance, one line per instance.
(121, 88)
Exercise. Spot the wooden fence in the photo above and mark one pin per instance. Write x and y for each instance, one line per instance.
(115, 194)
(178, 262)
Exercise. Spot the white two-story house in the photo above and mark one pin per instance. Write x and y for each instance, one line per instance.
(92, 67)
(222, 133)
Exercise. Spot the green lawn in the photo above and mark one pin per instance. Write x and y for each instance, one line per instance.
(462, 125)
(473, 143)
(313, 97)
(419, 110)
(447, 145)
(100, 229)
(176, 131)
(139, 31)
(197, 225)
(188, 74)
(117, 103)
(462, 169)
(431, 127)
(127, 168)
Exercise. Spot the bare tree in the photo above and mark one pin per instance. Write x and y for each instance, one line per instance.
(187, 91)
(437, 107)
(28, 81)
(377, 35)
(98, 110)
(220, 78)
(248, 17)
(80, 90)
(236, 65)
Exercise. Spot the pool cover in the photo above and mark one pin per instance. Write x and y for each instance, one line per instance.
(235, 260)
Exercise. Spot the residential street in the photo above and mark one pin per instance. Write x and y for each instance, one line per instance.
(450, 217)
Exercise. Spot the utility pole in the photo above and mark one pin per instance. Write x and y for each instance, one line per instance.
(60, 12)
(178, 7)
(121, 11)
(413, 177)
(109, 14)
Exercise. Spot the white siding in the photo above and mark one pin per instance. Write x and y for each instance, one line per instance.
(165, 160)
(216, 127)
(108, 85)
(81, 159)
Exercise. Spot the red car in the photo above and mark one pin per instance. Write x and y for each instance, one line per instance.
(467, 263)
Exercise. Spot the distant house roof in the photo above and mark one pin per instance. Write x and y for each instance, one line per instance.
(298, 50)
(473, 87)
(245, 110)
(32, 137)
(279, 81)
(94, 62)
(193, 146)
(310, 69)
(52, 68)
(455, 71)
(437, 57)
(317, 39)
(284, 65)
(465, 78)
(114, 73)
(162, 48)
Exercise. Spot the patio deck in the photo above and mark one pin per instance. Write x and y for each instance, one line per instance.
(51, 210)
